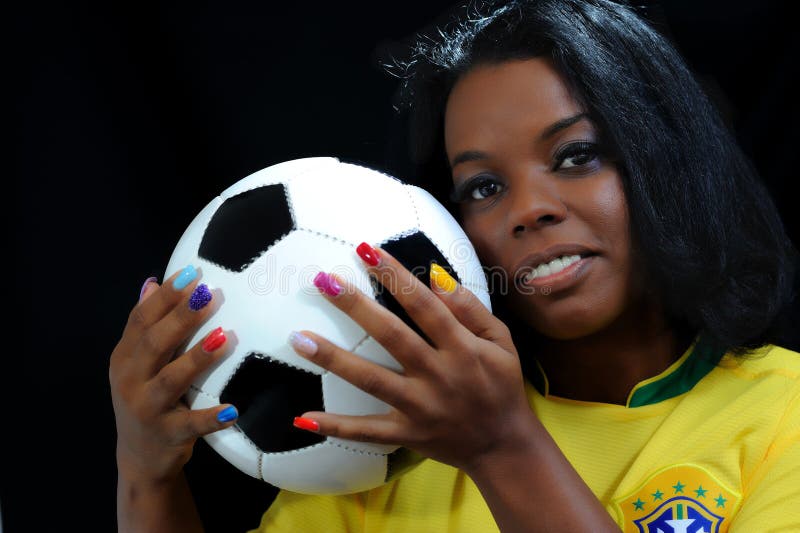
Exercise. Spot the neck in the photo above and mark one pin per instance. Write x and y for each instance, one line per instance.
(605, 366)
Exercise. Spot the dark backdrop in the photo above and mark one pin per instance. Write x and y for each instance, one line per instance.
(126, 118)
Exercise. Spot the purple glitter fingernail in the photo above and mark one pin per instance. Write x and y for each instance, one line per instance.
(200, 297)
(147, 282)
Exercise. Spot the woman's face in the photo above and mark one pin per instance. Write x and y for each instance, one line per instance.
(534, 187)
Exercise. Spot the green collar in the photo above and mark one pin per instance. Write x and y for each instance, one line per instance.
(698, 360)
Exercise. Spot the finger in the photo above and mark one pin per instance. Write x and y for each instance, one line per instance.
(380, 382)
(410, 350)
(156, 301)
(468, 309)
(167, 387)
(159, 342)
(189, 424)
(415, 297)
(149, 286)
(379, 429)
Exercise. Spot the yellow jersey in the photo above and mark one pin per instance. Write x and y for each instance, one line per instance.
(712, 444)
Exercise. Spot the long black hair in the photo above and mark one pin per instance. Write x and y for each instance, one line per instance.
(702, 222)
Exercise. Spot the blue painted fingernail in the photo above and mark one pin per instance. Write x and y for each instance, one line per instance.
(186, 276)
(227, 414)
(147, 282)
(200, 297)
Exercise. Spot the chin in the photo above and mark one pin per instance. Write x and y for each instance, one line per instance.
(568, 322)
(566, 331)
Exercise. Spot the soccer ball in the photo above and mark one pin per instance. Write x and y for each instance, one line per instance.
(261, 242)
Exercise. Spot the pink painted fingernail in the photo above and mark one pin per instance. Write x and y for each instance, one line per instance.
(303, 344)
(325, 282)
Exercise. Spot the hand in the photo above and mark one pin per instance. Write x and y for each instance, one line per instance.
(156, 431)
(461, 395)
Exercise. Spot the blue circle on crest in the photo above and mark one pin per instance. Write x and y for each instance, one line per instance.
(680, 514)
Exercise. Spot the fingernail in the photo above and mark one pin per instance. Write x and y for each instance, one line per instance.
(369, 254)
(186, 276)
(214, 340)
(148, 281)
(325, 282)
(306, 423)
(442, 280)
(200, 297)
(303, 344)
(227, 414)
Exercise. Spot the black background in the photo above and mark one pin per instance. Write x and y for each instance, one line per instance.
(126, 118)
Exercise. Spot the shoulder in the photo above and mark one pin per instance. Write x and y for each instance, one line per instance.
(768, 377)
(769, 361)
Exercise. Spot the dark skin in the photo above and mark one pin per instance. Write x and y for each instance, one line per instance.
(156, 431)
(525, 189)
(597, 328)
(595, 316)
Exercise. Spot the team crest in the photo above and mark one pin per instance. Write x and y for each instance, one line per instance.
(678, 499)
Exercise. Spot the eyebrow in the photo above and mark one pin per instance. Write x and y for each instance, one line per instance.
(476, 155)
(561, 125)
(469, 155)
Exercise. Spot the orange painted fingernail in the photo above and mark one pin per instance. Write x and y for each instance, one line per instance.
(214, 340)
(369, 254)
(306, 423)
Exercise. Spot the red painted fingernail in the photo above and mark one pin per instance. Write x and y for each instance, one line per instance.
(325, 282)
(369, 254)
(306, 423)
(214, 340)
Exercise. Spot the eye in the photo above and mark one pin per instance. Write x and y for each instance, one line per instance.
(484, 188)
(478, 188)
(577, 156)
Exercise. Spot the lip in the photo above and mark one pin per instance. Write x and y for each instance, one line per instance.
(531, 261)
(560, 280)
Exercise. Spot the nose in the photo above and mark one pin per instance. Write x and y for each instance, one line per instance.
(534, 206)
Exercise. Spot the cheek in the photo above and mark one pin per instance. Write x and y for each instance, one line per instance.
(479, 232)
(613, 223)
(609, 209)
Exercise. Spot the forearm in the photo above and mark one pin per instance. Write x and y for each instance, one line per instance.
(534, 488)
(164, 507)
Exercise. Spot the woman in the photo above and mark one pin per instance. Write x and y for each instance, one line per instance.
(646, 270)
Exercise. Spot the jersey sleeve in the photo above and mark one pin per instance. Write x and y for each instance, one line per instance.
(291, 512)
(772, 495)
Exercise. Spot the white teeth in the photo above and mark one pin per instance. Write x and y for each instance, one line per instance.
(542, 270)
(554, 266)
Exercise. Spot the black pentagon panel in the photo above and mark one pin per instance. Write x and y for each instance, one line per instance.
(416, 252)
(245, 226)
(401, 461)
(268, 395)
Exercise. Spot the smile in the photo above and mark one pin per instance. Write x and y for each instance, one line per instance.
(553, 267)
(558, 274)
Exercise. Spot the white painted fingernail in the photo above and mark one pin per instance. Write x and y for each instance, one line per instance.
(303, 344)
